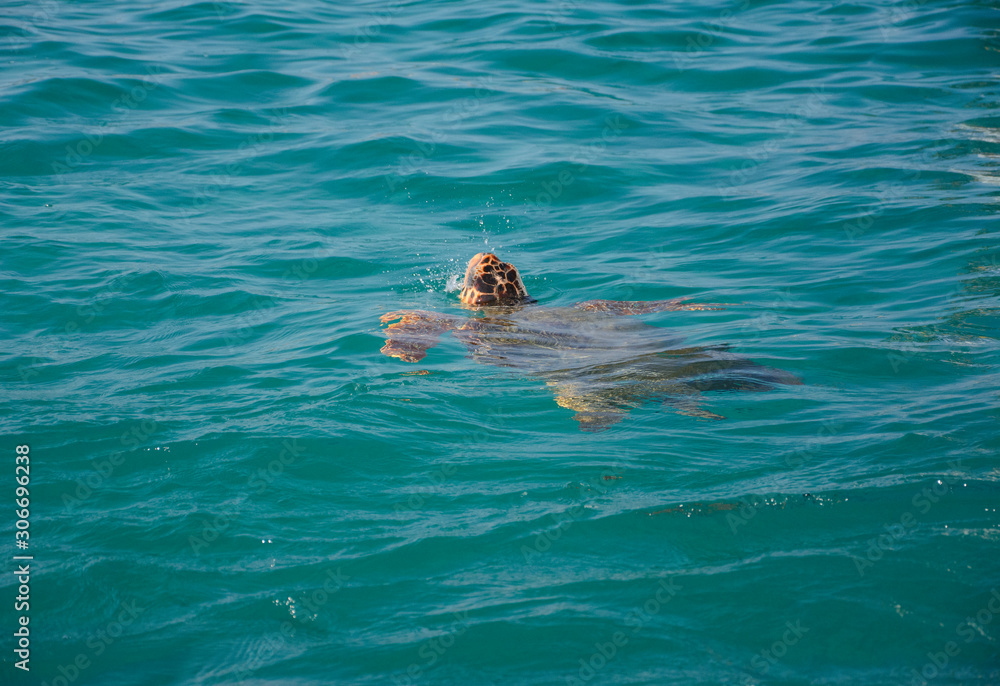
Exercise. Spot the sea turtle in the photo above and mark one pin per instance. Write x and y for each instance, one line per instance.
(597, 361)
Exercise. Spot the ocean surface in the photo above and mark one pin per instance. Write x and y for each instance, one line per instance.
(206, 208)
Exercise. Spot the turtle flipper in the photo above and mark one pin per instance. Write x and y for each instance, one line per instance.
(592, 411)
(687, 400)
(690, 406)
(596, 411)
(416, 331)
(630, 307)
(598, 421)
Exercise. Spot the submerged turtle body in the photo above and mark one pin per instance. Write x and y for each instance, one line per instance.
(598, 360)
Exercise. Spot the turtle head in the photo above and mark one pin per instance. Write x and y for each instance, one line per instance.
(488, 281)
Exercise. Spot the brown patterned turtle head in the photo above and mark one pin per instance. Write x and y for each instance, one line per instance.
(488, 281)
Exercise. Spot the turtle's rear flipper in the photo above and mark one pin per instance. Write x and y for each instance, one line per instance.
(687, 401)
(689, 409)
(592, 411)
(630, 307)
(598, 421)
(414, 333)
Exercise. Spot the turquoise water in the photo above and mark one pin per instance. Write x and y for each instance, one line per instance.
(206, 207)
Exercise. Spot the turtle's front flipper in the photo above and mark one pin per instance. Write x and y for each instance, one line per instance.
(414, 333)
(629, 307)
